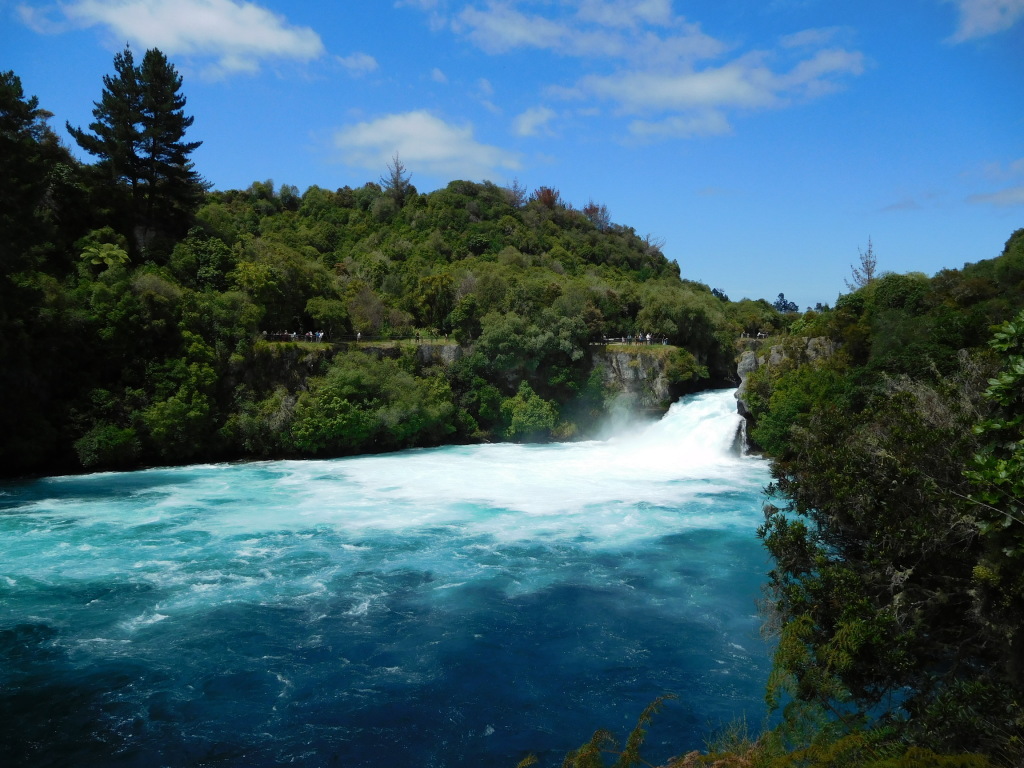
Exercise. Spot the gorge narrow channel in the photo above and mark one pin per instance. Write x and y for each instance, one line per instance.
(459, 606)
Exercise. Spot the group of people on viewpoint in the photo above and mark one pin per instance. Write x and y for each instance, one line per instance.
(318, 336)
(294, 336)
(638, 338)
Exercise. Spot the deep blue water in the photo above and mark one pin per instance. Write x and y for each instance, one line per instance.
(460, 606)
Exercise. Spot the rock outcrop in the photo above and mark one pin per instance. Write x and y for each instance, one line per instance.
(798, 349)
(745, 366)
(639, 376)
(438, 354)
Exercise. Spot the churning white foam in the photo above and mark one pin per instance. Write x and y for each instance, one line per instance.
(667, 476)
(627, 485)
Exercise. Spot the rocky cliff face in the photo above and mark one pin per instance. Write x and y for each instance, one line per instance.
(288, 365)
(745, 366)
(753, 355)
(638, 375)
(438, 354)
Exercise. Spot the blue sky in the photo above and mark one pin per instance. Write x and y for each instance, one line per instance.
(762, 142)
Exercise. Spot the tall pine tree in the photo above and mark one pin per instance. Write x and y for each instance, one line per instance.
(138, 135)
(114, 135)
(172, 187)
(24, 167)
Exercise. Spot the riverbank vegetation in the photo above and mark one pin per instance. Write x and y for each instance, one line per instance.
(896, 522)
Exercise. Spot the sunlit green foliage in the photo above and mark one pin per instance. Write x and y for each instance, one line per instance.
(998, 474)
(107, 254)
(525, 287)
(365, 404)
(529, 416)
(603, 743)
(735, 746)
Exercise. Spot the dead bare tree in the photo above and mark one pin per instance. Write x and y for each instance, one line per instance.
(864, 274)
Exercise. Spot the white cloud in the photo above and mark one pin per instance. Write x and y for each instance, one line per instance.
(599, 29)
(359, 64)
(1004, 198)
(501, 28)
(533, 121)
(733, 85)
(1013, 168)
(689, 46)
(706, 123)
(814, 38)
(626, 13)
(426, 144)
(642, 59)
(438, 76)
(484, 90)
(906, 204)
(997, 171)
(816, 76)
(744, 83)
(37, 20)
(980, 18)
(238, 34)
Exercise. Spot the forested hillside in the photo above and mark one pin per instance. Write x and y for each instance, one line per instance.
(143, 314)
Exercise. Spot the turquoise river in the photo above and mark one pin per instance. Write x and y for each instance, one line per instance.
(458, 606)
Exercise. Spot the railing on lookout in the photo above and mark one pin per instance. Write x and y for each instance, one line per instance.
(319, 337)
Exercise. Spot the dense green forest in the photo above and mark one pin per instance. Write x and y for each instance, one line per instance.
(140, 323)
(142, 313)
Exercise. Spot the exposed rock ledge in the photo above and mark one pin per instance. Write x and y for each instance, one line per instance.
(798, 349)
(638, 375)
